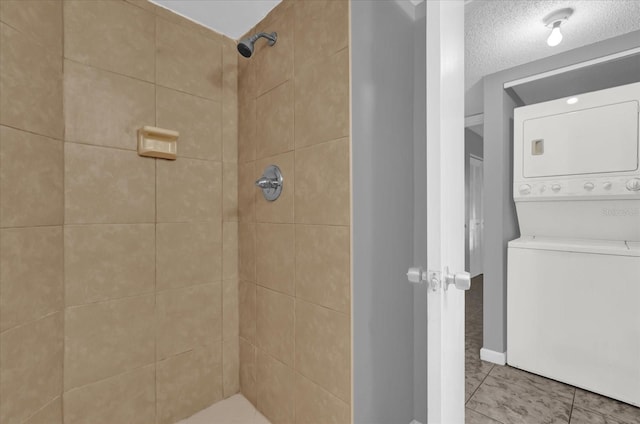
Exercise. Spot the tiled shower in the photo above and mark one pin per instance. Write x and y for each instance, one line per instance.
(140, 290)
(294, 266)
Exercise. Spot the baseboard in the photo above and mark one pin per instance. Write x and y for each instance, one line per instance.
(415, 422)
(499, 358)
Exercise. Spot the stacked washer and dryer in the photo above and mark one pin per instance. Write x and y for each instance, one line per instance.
(573, 288)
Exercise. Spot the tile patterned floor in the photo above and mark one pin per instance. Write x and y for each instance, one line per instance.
(234, 410)
(505, 395)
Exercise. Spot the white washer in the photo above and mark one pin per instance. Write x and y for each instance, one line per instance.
(574, 314)
(573, 287)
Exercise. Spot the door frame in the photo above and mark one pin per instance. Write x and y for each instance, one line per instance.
(473, 157)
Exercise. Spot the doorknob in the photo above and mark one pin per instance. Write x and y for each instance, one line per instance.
(462, 280)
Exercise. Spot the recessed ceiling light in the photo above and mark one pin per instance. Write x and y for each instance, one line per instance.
(553, 21)
(572, 100)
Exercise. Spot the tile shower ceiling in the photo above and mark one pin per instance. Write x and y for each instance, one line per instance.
(503, 34)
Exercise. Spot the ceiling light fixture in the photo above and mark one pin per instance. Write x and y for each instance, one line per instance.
(553, 21)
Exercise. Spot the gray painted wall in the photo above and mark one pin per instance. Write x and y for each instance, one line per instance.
(382, 49)
(473, 145)
(499, 211)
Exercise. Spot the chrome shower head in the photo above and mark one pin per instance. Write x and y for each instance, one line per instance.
(245, 46)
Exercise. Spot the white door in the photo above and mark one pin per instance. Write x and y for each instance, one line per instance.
(445, 211)
(475, 225)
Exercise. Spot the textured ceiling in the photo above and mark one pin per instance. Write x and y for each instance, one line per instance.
(503, 34)
(232, 18)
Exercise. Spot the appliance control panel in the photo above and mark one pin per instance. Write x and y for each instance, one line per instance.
(617, 186)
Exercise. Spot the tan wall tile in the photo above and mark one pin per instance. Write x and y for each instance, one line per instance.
(230, 310)
(111, 35)
(274, 64)
(31, 85)
(275, 261)
(322, 347)
(144, 4)
(41, 20)
(231, 367)
(126, 398)
(247, 309)
(104, 108)
(229, 250)
(229, 100)
(187, 318)
(316, 405)
(30, 368)
(275, 324)
(312, 40)
(247, 132)
(31, 179)
(246, 251)
(247, 85)
(107, 186)
(248, 371)
(247, 175)
(322, 184)
(187, 383)
(229, 191)
(281, 210)
(276, 385)
(187, 254)
(322, 100)
(108, 261)
(188, 61)
(49, 414)
(198, 120)
(31, 270)
(108, 338)
(323, 268)
(189, 190)
(274, 121)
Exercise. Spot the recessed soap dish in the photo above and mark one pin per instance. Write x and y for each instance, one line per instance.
(157, 142)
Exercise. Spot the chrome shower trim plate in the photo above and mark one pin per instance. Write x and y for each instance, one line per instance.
(271, 183)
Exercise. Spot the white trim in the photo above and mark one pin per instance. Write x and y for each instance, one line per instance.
(499, 358)
(415, 422)
(473, 120)
(580, 65)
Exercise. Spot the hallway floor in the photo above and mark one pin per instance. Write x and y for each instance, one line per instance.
(504, 395)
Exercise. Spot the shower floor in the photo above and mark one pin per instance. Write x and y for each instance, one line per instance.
(234, 410)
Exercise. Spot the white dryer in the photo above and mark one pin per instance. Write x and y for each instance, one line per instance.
(573, 285)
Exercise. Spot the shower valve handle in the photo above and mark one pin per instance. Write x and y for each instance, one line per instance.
(264, 182)
(271, 183)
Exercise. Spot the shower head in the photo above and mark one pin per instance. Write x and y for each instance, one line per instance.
(245, 47)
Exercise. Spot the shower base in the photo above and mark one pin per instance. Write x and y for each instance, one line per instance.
(234, 410)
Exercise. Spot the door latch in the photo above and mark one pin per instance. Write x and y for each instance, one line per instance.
(417, 275)
(434, 280)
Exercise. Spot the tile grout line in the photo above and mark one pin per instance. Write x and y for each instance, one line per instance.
(478, 388)
(64, 213)
(572, 405)
(155, 226)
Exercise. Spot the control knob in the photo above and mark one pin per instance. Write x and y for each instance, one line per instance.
(589, 186)
(525, 189)
(555, 187)
(607, 185)
(633, 184)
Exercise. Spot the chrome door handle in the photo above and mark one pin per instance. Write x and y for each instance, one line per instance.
(461, 280)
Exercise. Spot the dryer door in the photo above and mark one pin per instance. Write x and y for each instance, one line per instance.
(589, 141)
